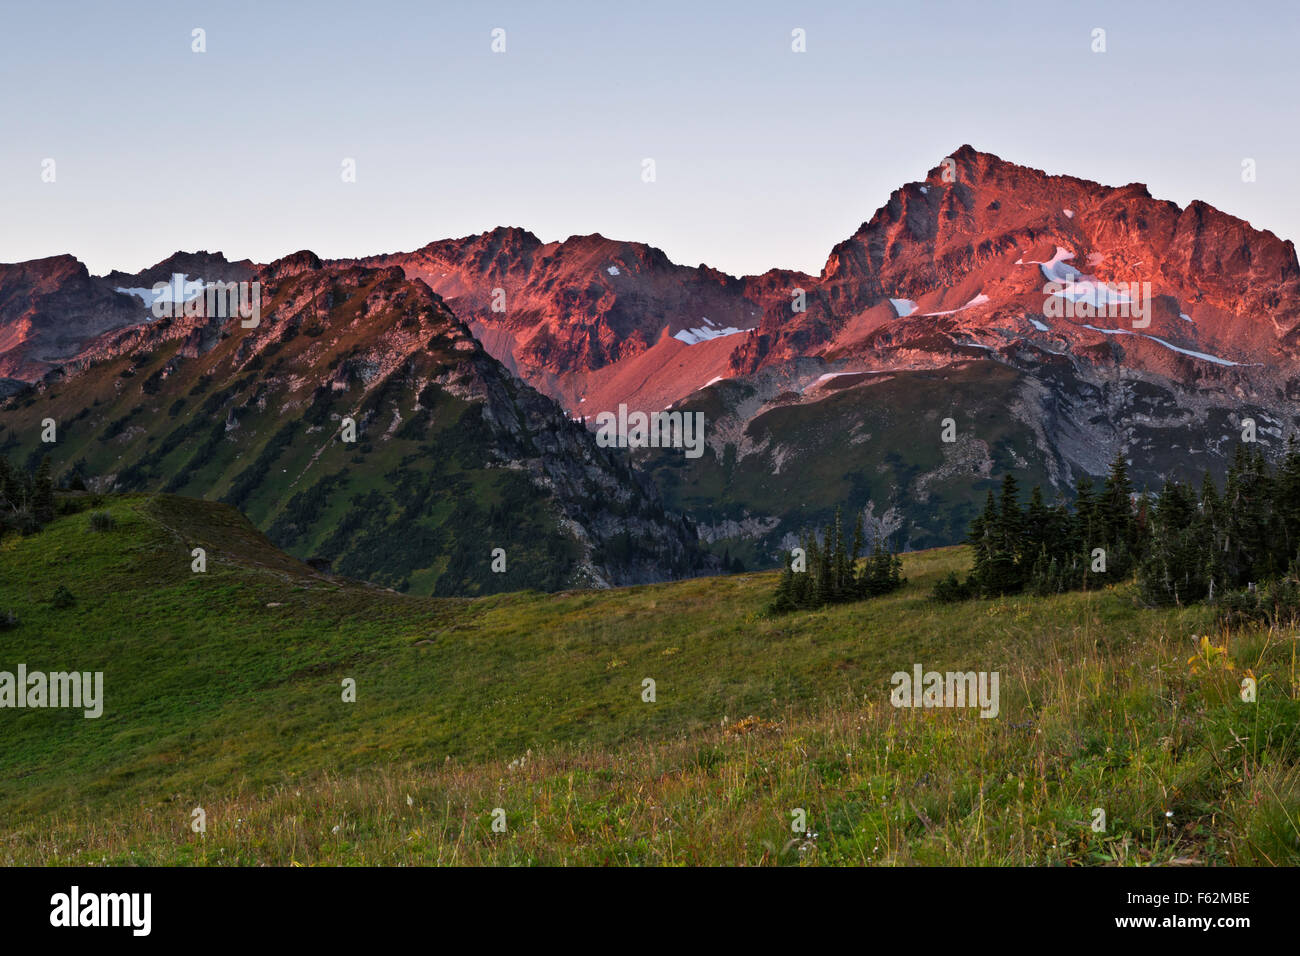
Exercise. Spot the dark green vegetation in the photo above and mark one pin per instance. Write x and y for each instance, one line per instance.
(452, 458)
(223, 691)
(880, 444)
(780, 462)
(827, 572)
(1183, 547)
(26, 498)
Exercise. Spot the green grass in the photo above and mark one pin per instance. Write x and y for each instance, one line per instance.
(223, 690)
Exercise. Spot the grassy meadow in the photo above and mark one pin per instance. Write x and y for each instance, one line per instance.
(223, 690)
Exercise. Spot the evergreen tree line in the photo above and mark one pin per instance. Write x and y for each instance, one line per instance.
(1182, 545)
(27, 494)
(26, 498)
(829, 572)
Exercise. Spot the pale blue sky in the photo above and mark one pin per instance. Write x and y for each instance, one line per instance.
(764, 157)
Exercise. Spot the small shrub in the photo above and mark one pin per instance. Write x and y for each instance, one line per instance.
(63, 598)
(24, 522)
(1284, 601)
(1275, 604)
(102, 521)
(950, 589)
(8, 620)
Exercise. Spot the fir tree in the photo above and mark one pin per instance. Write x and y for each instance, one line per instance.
(43, 493)
(857, 553)
(822, 565)
(785, 590)
(1038, 524)
(980, 537)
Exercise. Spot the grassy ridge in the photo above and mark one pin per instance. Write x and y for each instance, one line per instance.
(254, 432)
(223, 691)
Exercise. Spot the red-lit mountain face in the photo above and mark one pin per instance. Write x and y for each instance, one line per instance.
(1055, 320)
(52, 309)
(592, 321)
(49, 309)
(965, 255)
(955, 262)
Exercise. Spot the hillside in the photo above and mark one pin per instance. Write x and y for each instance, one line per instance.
(223, 691)
(448, 459)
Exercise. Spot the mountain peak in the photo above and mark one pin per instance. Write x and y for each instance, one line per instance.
(304, 260)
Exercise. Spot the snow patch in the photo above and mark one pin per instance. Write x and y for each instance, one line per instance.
(904, 307)
(612, 270)
(827, 377)
(1173, 348)
(1041, 327)
(1184, 316)
(1069, 213)
(978, 300)
(1098, 294)
(830, 375)
(190, 290)
(696, 336)
(1078, 287)
(1056, 269)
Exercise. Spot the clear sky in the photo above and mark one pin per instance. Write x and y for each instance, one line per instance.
(764, 157)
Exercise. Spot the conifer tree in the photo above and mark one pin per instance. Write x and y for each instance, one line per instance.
(841, 570)
(1286, 500)
(857, 553)
(1173, 568)
(824, 593)
(1084, 535)
(1037, 525)
(1003, 570)
(43, 493)
(1115, 520)
(785, 590)
(980, 537)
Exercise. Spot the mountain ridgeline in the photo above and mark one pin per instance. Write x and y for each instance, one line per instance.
(830, 389)
(961, 333)
(362, 426)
